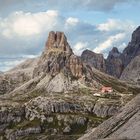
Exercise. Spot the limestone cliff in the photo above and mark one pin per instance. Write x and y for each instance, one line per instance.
(94, 60)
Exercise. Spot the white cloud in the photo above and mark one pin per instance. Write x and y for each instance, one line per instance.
(72, 21)
(122, 46)
(94, 5)
(116, 24)
(28, 24)
(109, 42)
(80, 47)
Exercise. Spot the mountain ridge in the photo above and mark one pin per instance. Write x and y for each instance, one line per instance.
(116, 64)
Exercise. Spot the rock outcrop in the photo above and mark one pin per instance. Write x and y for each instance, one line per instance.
(42, 106)
(58, 58)
(17, 76)
(94, 60)
(132, 72)
(117, 62)
(58, 41)
(133, 48)
(114, 64)
(124, 125)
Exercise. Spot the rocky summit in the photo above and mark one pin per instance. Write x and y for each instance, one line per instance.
(94, 60)
(114, 64)
(60, 95)
(133, 48)
(59, 64)
(58, 57)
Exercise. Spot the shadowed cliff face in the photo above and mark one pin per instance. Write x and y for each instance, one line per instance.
(118, 64)
(132, 72)
(133, 48)
(114, 64)
(130, 58)
(94, 60)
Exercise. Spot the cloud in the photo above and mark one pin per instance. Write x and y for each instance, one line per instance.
(115, 24)
(110, 42)
(80, 47)
(93, 5)
(62, 5)
(72, 21)
(28, 24)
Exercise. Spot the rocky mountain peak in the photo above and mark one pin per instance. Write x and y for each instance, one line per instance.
(114, 52)
(58, 57)
(133, 48)
(57, 41)
(114, 65)
(136, 35)
(94, 59)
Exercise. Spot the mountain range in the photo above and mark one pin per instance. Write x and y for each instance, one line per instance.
(118, 64)
(59, 95)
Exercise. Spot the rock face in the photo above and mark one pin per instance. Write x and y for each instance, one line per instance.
(131, 59)
(58, 58)
(132, 72)
(117, 63)
(42, 105)
(133, 48)
(17, 76)
(124, 125)
(58, 41)
(94, 60)
(114, 64)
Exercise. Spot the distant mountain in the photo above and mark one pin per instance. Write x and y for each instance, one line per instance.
(114, 64)
(94, 60)
(117, 63)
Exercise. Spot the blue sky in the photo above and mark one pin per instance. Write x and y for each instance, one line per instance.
(92, 24)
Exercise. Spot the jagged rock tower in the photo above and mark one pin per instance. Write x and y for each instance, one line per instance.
(58, 57)
(58, 41)
(59, 62)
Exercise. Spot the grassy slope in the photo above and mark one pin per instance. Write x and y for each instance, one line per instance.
(116, 84)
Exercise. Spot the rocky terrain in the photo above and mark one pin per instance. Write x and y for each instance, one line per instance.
(17, 76)
(58, 95)
(124, 125)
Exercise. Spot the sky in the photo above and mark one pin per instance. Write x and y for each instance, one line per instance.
(97, 25)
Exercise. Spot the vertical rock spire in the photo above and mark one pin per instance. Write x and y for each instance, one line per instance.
(58, 41)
